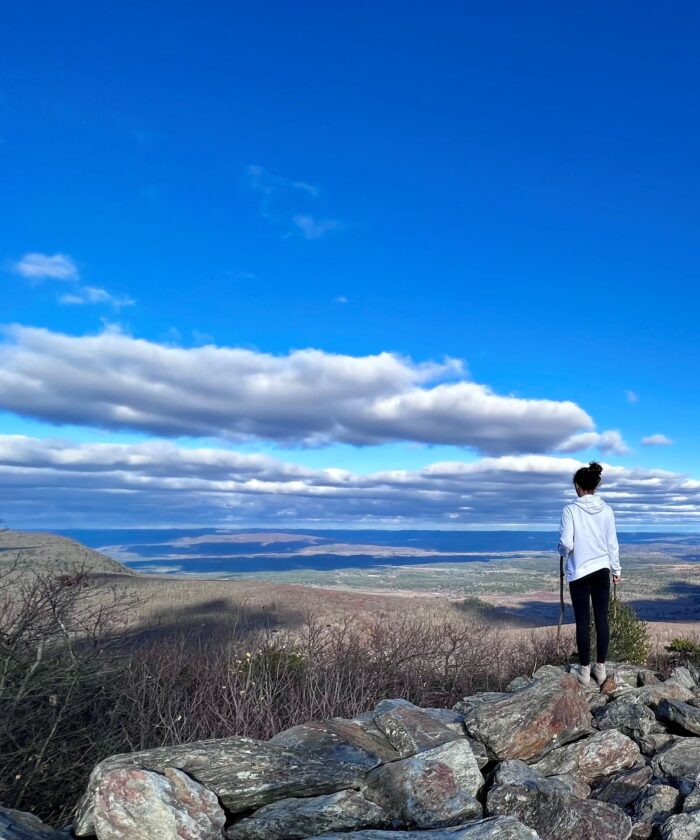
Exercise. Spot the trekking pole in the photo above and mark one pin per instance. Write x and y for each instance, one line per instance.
(561, 601)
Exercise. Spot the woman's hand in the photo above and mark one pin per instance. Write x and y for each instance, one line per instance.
(617, 579)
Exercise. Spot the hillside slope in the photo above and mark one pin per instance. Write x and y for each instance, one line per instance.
(49, 552)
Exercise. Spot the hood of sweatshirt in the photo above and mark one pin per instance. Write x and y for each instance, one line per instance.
(591, 504)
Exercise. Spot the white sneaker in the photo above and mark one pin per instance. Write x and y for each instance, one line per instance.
(599, 674)
(583, 673)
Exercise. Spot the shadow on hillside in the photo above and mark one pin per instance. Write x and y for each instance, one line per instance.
(684, 605)
(217, 619)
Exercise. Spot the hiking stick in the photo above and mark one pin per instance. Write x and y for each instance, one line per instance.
(561, 601)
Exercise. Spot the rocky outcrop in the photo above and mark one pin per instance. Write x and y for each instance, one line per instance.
(545, 760)
(242, 772)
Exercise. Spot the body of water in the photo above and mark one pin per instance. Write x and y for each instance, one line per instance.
(207, 551)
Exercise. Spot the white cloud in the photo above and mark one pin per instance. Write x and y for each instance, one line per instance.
(657, 440)
(610, 442)
(314, 228)
(35, 266)
(92, 294)
(52, 482)
(632, 396)
(310, 397)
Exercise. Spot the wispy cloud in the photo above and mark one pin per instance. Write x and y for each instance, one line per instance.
(93, 294)
(288, 203)
(36, 266)
(314, 228)
(657, 440)
(632, 396)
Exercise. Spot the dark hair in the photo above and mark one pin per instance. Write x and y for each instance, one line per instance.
(588, 478)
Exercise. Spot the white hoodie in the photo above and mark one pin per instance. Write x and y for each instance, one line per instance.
(587, 538)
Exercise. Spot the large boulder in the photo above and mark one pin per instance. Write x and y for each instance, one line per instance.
(652, 695)
(20, 825)
(242, 772)
(624, 788)
(548, 806)
(410, 729)
(494, 828)
(467, 704)
(679, 765)
(681, 827)
(632, 719)
(290, 819)
(652, 744)
(655, 805)
(684, 676)
(133, 804)
(681, 714)
(593, 758)
(432, 789)
(529, 723)
(340, 740)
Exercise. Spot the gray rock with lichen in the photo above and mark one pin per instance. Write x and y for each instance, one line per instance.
(432, 789)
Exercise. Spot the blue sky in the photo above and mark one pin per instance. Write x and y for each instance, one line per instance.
(513, 186)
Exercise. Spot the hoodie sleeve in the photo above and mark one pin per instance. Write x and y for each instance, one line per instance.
(566, 533)
(613, 546)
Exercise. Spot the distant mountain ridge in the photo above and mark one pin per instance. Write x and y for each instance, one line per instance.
(44, 552)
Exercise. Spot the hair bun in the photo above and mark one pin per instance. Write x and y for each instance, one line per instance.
(595, 467)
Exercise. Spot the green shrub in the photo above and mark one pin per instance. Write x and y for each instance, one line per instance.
(687, 648)
(629, 635)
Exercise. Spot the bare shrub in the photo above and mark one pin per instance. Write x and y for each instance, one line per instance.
(58, 683)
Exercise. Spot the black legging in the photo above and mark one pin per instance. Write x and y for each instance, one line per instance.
(596, 588)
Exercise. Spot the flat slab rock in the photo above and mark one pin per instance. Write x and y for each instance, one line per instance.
(19, 825)
(553, 710)
(432, 789)
(410, 729)
(548, 807)
(592, 758)
(293, 819)
(363, 744)
(242, 772)
(495, 828)
(133, 804)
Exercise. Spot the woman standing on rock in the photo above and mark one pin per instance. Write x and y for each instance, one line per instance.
(588, 543)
